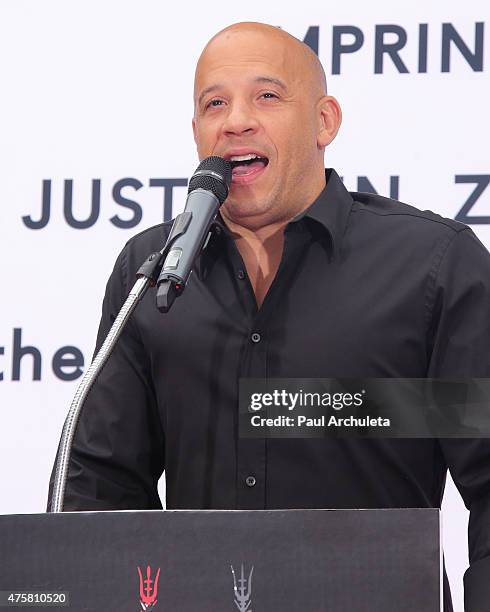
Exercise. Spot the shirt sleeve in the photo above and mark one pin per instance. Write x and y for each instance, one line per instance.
(118, 450)
(461, 349)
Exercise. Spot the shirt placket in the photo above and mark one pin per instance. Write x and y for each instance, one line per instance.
(251, 473)
(250, 454)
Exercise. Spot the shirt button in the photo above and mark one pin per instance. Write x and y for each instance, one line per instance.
(240, 274)
(250, 480)
(217, 230)
(255, 337)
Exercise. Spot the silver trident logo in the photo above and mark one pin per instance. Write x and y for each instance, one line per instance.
(244, 591)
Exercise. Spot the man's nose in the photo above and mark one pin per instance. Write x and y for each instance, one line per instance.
(240, 119)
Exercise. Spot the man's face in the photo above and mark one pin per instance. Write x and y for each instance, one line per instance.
(255, 106)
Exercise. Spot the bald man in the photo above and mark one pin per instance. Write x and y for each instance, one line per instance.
(299, 279)
(258, 90)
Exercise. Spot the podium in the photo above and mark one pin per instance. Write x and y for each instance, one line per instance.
(224, 560)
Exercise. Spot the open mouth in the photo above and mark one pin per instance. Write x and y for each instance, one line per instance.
(248, 166)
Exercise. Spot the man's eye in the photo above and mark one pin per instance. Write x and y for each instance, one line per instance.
(215, 102)
(269, 94)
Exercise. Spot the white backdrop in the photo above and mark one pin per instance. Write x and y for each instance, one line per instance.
(102, 91)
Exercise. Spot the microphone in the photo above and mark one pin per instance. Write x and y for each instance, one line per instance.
(208, 189)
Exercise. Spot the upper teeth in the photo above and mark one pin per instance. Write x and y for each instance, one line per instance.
(243, 157)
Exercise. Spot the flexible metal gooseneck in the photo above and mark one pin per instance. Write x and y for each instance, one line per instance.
(90, 376)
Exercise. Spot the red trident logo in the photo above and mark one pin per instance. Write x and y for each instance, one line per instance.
(148, 589)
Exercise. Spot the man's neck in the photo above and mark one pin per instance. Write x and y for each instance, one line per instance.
(261, 251)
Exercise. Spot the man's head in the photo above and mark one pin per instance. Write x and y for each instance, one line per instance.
(260, 91)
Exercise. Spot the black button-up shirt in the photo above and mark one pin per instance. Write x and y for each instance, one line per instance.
(367, 287)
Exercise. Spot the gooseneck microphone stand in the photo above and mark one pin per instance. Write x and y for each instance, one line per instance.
(212, 179)
(147, 276)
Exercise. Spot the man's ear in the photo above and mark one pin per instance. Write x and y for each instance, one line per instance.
(330, 118)
(194, 130)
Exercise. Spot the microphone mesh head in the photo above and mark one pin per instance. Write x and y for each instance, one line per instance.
(212, 174)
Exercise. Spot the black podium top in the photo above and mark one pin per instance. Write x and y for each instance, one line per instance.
(214, 561)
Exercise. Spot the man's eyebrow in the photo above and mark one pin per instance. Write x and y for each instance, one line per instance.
(272, 80)
(259, 79)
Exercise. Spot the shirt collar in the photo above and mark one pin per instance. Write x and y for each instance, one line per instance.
(330, 211)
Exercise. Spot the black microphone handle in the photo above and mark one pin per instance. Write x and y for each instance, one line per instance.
(203, 206)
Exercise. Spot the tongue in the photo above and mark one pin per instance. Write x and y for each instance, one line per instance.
(245, 169)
